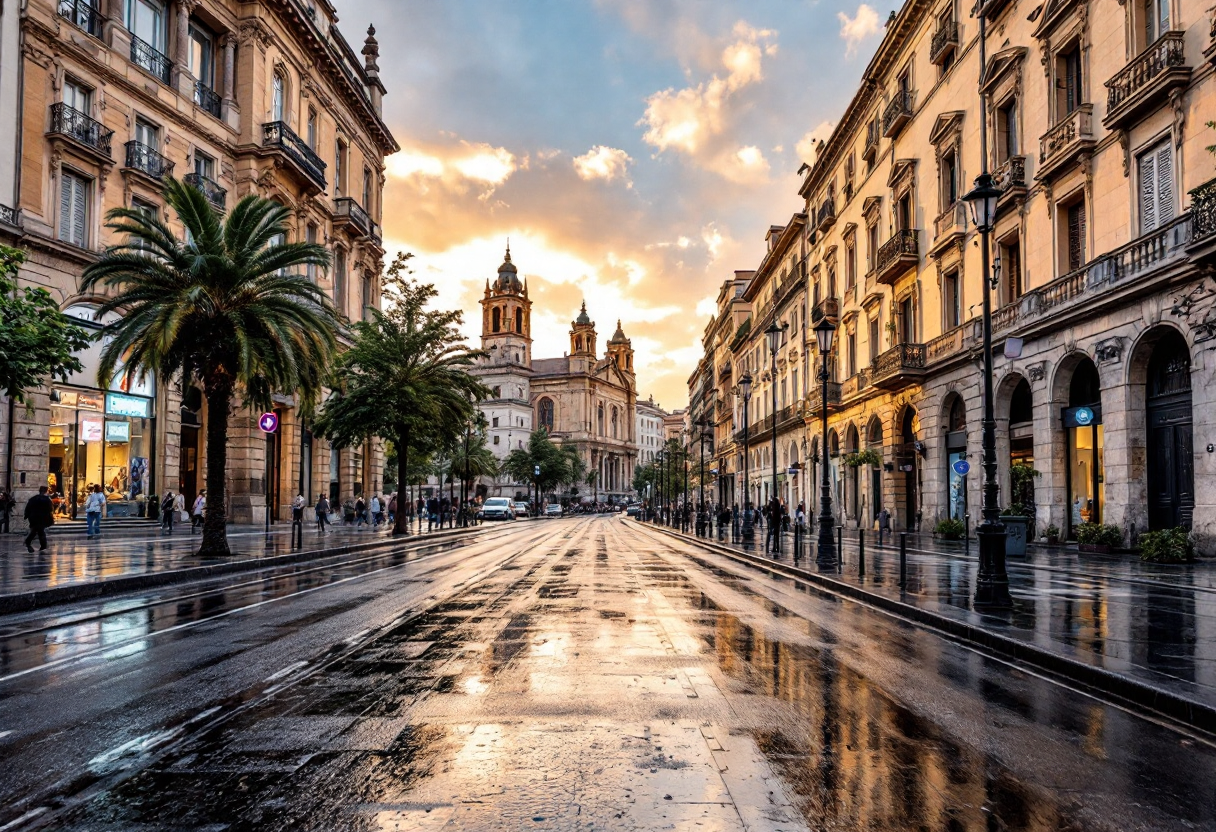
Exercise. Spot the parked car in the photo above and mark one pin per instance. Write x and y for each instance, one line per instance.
(553, 510)
(498, 508)
(633, 510)
(522, 509)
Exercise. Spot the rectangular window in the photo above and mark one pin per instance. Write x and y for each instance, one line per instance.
(340, 168)
(311, 132)
(147, 134)
(904, 215)
(1156, 173)
(951, 301)
(1011, 270)
(907, 321)
(340, 281)
(1075, 217)
(850, 266)
(73, 209)
(872, 248)
(495, 424)
(367, 189)
(495, 439)
(146, 208)
(875, 341)
(1068, 81)
(367, 296)
(78, 96)
(1156, 20)
(310, 236)
(852, 340)
(1007, 131)
(202, 55)
(949, 174)
(204, 165)
(146, 20)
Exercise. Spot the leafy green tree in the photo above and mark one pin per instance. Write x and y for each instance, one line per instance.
(559, 464)
(472, 457)
(404, 378)
(226, 308)
(36, 339)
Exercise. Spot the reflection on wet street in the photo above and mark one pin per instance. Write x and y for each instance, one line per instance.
(593, 676)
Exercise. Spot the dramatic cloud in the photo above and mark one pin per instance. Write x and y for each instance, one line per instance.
(855, 29)
(458, 166)
(605, 163)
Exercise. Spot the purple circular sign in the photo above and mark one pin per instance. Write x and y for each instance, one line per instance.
(269, 422)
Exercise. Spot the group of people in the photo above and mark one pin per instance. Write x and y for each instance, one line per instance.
(173, 509)
(356, 511)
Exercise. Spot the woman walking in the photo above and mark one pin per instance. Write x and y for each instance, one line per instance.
(198, 512)
(93, 506)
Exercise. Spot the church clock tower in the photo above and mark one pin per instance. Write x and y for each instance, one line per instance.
(506, 317)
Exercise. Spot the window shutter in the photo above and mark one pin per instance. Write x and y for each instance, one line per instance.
(1165, 183)
(1076, 236)
(79, 236)
(1148, 196)
(65, 206)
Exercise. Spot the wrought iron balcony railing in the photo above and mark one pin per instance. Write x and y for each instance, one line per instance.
(352, 212)
(945, 41)
(827, 308)
(144, 159)
(814, 397)
(83, 15)
(150, 59)
(207, 98)
(70, 122)
(897, 365)
(898, 254)
(897, 113)
(827, 214)
(1160, 66)
(278, 135)
(10, 216)
(871, 146)
(1203, 211)
(216, 195)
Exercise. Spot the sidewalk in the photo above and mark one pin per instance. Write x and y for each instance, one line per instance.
(128, 558)
(1154, 624)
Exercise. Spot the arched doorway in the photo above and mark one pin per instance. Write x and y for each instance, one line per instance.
(874, 443)
(956, 451)
(908, 465)
(853, 485)
(1171, 466)
(1082, 421)
(1021, 426)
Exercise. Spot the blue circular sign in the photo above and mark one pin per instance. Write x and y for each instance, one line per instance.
(1084, 416)
(961, 467)
(268, 422)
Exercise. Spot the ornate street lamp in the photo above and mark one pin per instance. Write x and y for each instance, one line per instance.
(659, 491)
(825, 556)
(774, 335)
(703, 428)
(745, 390)
(992, 584)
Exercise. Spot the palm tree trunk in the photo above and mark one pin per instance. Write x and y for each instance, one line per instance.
(215, 522)
(401, 521)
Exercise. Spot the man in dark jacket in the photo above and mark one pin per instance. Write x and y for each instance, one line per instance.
(39, 513)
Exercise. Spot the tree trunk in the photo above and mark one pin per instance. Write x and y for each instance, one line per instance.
(215, 521)
(401, 523)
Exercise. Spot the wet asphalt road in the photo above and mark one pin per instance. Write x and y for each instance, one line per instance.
(567, 674)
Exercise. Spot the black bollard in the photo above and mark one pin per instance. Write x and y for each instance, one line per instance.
(903, 560)
(861, 553)
(840, 549)
(967, 534)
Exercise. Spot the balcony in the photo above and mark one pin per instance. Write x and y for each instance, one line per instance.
(277, 136)
(949, 227)
(827, 308)
(1146, 81)
(898, 367)
(1010, 177)
(814, 397)
(87, 133)
(216, 195)
(854, 385)
(944, 44)
(207, 98)
(145, 160)
(897, 114)
(944, 346)
(1066, 141)
(897, 255)
(826, 217)
(1203, 219)
(150, 60)
(870, 149)
(349, 213)
(83, 15)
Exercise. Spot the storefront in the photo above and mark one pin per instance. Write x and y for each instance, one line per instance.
(101, 437)
(1086, 484)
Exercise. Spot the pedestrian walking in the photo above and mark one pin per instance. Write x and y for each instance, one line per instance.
(179, 507)
(377, 510)
(94, 504)
(392, 509)
(322, 509)
(7, 504)
(360, 512)
(199, 513)
(297, 510)
(166, 512)
(39, 513)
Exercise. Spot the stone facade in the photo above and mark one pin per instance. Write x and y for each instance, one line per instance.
(649, 430)
(1093, 122)
(237, 98)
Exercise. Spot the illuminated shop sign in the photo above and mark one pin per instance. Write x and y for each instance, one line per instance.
(132, 406)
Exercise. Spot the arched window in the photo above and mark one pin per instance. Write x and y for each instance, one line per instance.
(277, 97)
(496, 319)
(545, 413)
(519, 320)
(601, 420)
(614, 436)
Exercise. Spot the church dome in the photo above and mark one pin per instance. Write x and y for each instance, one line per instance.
(583, 317)
(508, 275)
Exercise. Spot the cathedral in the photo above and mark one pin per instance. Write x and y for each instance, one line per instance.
(581, 399)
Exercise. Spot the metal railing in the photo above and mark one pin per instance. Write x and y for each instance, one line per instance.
(278, 134)
(946, 37)
(149, 58)
(898, 111)
(827, 214)
(1076, 125)
(144, 159)
(207, 98)
(1165, 53)
(814, 396)
(82, 14)
(77, 126)
(1011, 173)
(1203, 210)
(899, 358)
(871, 145)
(216, 195)
(346, 207)
(827, 308)
(11, 216)
(903, 243)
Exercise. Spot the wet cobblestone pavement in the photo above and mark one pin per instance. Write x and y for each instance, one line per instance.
(585, 674)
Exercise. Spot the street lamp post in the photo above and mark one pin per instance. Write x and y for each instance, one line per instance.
(536, 482)
(684, 512)
(702, 516)
(992, 584)
(658, 491)
(825, 556)
(775, 335)
(749, 533)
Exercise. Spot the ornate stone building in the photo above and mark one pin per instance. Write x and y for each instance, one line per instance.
(236, 98)
(580, 398)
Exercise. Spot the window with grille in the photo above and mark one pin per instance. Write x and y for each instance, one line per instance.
(1156, 173)
(1076, 235)
(73, 209)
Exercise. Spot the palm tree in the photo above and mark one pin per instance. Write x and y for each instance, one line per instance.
(223, 308)
(405, 378)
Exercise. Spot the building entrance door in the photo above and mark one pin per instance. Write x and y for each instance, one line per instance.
(1171, 468)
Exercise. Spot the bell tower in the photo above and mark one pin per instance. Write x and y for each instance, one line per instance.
(620, 352)
(506, 317)
(582, 335)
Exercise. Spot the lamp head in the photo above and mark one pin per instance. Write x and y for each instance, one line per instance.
(825, 334)
(982, 199)
(773, 334)
(745, 386)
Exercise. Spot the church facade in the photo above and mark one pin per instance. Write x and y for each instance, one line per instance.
(582, 399)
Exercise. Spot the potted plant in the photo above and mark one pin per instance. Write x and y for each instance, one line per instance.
(856, 459)
(1167, 546)
(949, 529)
(1052, 533)
(1098, 538)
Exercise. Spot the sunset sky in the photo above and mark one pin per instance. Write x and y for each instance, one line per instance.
(634, 151)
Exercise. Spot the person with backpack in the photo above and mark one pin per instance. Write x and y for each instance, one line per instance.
(322, 509)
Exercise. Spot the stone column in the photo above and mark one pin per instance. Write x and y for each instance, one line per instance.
(229, 42)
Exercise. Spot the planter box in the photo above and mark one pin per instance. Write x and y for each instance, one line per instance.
(1015, 535)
